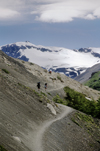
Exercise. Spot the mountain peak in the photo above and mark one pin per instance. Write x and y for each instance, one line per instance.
(86, 50)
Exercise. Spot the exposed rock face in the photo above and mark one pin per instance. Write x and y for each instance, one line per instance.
(88, 73)
(24, 112)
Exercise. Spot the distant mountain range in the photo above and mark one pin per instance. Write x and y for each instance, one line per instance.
(70, 62)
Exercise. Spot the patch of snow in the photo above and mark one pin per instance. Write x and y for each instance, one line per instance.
(82, 71)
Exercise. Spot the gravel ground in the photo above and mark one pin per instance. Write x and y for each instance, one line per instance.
(65, 135)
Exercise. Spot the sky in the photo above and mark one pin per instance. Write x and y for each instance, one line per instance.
(71, 24)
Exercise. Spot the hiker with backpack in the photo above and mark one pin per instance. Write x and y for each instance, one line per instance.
(38, 85)
(45, 86)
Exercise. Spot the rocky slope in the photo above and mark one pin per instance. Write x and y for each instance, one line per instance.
(88, 73)
(26, 114)
(56, 81)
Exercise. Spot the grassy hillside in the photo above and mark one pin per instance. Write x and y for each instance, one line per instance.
(94, 81)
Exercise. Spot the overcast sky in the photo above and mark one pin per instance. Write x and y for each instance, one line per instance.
(64, 23)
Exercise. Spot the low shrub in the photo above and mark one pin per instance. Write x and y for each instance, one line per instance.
(84, 117)
(43, 93)
(31, 63)
(75, 122)
(59, 78)
(2, 149)
(79, 102)
(23, 61)
(57, 99)
(5, 70)
(49, 93)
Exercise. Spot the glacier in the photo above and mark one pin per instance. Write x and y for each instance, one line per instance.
(58, 59)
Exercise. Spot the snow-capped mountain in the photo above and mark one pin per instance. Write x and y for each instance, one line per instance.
(59, 59)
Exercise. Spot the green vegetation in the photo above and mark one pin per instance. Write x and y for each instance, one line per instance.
(5, 71)
(75, 122)
(84, 117)
(57, 99)
(73, 99)
(94, 81)
(79, 102)
(43, 93)
(20, 84)
(59, 78)
(2, 149)
(42, 97)
(52, 78)
(23, 61)
(88, 123)
(15, 69)
(31, 63)
(49, 93)
(35, 92)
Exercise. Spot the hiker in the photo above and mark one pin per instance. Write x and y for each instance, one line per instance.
(38, 85)
(45, 86)
(50, 71)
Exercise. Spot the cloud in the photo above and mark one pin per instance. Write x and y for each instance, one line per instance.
(97, 12)
(6, 14)
(68, 10)
(49, 10)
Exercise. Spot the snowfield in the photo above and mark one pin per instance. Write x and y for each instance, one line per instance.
(59, 59)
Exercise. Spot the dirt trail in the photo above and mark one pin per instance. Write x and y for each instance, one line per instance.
(37, 143)
(59, 88)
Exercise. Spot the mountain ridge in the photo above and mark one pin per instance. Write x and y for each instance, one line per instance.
(88, 73)
(70, 62)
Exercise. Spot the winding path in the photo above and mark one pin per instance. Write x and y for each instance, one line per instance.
(39, 135)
